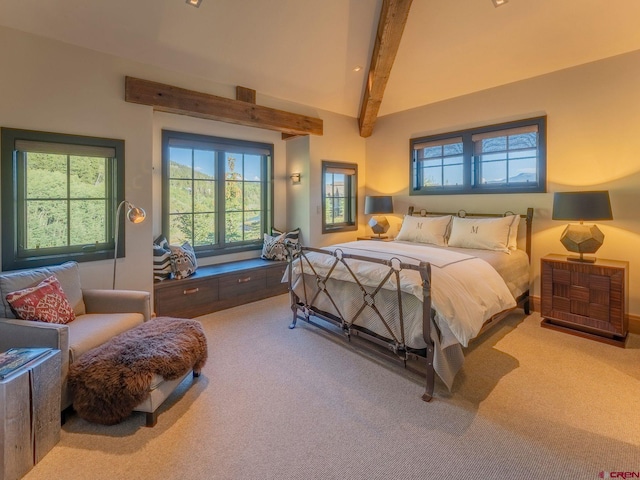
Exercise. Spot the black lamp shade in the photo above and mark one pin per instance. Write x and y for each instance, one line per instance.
(378, 204)
(581, 206)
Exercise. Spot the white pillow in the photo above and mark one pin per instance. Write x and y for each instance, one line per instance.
(431, 230)
(484, 233)
(513, 232)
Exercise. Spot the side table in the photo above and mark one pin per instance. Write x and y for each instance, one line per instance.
(585, 299)
(29, 414)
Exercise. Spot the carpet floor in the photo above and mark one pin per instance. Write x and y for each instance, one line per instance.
(274, 403)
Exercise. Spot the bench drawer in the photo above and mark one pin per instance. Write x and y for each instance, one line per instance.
(190, 297)
(242, 283)
(274, 277)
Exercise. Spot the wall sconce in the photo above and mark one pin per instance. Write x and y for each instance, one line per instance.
(194, 3)
(134, 215)
(295, 178)
(374, 206)
(580, 206)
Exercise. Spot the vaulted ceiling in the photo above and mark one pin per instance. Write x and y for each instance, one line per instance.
(305, 51)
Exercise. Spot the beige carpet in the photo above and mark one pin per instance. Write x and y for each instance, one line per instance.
(274, 403)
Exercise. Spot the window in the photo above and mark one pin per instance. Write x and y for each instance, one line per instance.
(217, 192)
(339, 196)
(59, 195)
(505, 158)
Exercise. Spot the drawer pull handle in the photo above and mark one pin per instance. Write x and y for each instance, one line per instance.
(244, 280)
(190, 291)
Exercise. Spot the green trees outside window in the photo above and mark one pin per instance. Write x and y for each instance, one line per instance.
(59, 194)
(218, 193)
(339, 196)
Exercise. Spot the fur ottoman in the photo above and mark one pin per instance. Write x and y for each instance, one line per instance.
(136, 370)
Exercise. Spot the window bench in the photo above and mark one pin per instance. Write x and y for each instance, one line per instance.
(216, 287)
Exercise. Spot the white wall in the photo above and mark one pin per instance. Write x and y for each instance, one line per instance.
(56, 87)
(341, 142)
(51, 86)
(592, 144)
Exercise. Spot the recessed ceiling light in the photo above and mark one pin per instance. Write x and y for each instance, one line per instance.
(194, 3)
(499, 3)
(357, 68)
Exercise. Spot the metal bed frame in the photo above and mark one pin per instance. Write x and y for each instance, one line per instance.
(394, 344)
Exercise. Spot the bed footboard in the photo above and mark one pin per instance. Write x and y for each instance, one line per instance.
(375, 310)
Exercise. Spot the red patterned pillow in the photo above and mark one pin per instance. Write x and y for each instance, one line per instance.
(46, 302)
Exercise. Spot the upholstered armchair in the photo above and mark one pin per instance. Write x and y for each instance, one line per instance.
(99, 316)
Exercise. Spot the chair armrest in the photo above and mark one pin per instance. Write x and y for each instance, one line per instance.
(27, 333)
(117, 301)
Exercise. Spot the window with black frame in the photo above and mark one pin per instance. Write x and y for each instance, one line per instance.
(339, 196)
(217, 192)
(59, 195)
(504, 158)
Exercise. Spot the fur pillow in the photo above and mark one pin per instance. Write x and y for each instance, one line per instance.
(183, 260)
(46, 302)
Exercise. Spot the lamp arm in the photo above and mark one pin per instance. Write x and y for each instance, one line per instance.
(116, 237)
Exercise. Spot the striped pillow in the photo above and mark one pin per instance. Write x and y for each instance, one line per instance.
(161, 259)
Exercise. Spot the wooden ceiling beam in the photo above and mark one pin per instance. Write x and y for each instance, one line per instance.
(167, 98)
(393, 18)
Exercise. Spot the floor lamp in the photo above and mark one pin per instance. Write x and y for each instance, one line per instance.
(134, 215)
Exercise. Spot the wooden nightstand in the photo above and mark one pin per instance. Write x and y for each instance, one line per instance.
(383, 239)
(585, 299)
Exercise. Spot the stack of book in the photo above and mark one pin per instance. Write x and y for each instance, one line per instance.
(15, 359)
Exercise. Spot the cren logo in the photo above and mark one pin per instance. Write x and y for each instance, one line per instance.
(619, 474)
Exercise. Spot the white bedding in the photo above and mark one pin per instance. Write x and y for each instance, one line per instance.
(465, 290)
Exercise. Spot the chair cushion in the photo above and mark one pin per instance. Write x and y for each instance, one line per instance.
(93, 329)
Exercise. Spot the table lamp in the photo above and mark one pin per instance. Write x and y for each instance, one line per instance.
(375, 205)
(582, 206)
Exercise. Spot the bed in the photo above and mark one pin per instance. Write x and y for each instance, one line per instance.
(424, 296)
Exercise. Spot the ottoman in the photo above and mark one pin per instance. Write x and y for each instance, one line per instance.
(136, 370)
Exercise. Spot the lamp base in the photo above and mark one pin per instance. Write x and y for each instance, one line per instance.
(581, 259)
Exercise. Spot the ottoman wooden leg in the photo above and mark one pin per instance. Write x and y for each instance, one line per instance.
(152, 419)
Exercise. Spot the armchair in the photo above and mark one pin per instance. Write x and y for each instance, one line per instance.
(100, 315)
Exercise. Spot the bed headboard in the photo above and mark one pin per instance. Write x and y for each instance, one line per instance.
(464, 214)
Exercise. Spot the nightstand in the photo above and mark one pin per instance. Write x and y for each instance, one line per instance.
(585, 299)
(383, 239)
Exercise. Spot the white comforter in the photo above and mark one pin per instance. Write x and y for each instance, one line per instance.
(465, 290)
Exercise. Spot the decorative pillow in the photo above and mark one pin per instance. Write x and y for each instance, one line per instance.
(46, 302)
(513, 232)
(274, 247)
(484, 233)
(183, 260)
(431, 230)
(293, 236)
(161, 259)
